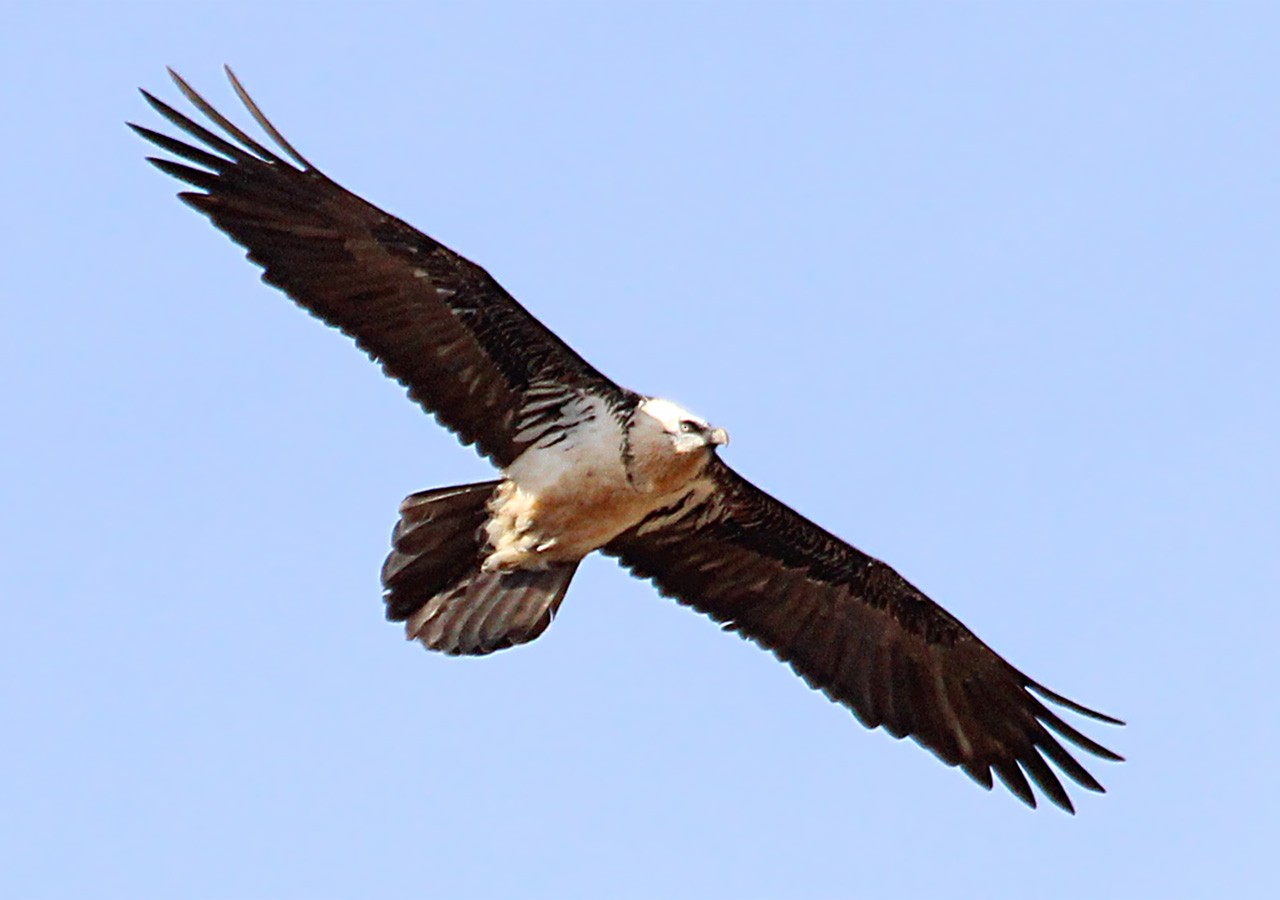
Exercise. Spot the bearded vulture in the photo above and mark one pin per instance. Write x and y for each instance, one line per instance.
(587, 465)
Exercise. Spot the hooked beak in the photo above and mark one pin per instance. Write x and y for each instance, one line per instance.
(718, 437)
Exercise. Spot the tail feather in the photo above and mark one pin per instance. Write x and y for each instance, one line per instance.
(434, 581)
(488, 611)
(437, 541)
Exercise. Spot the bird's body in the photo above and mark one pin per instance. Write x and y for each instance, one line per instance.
(587, 465)
(592, 475)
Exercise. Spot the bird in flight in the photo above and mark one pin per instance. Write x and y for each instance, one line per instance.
(586, 465)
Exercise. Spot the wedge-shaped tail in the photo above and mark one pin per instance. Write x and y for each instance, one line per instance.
(434, 583)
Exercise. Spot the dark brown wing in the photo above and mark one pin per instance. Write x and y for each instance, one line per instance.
(858, 631)
(438, 323)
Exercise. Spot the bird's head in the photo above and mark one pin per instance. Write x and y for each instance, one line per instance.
(686, 431)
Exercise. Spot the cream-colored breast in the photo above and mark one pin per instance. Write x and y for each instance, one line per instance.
(566, 498)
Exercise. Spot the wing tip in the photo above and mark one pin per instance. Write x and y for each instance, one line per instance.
(1072, 705)
(181, 82)
(263, 122)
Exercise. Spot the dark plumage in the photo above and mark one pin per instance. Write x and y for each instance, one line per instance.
(850, 625)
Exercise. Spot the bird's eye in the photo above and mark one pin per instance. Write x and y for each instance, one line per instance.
(688, 426)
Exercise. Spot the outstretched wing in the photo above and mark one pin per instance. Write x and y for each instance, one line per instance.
(857, 630)
(438, 323)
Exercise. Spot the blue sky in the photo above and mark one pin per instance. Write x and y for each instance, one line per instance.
(989, 290)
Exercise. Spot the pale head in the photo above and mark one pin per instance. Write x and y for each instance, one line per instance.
(686, 431)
